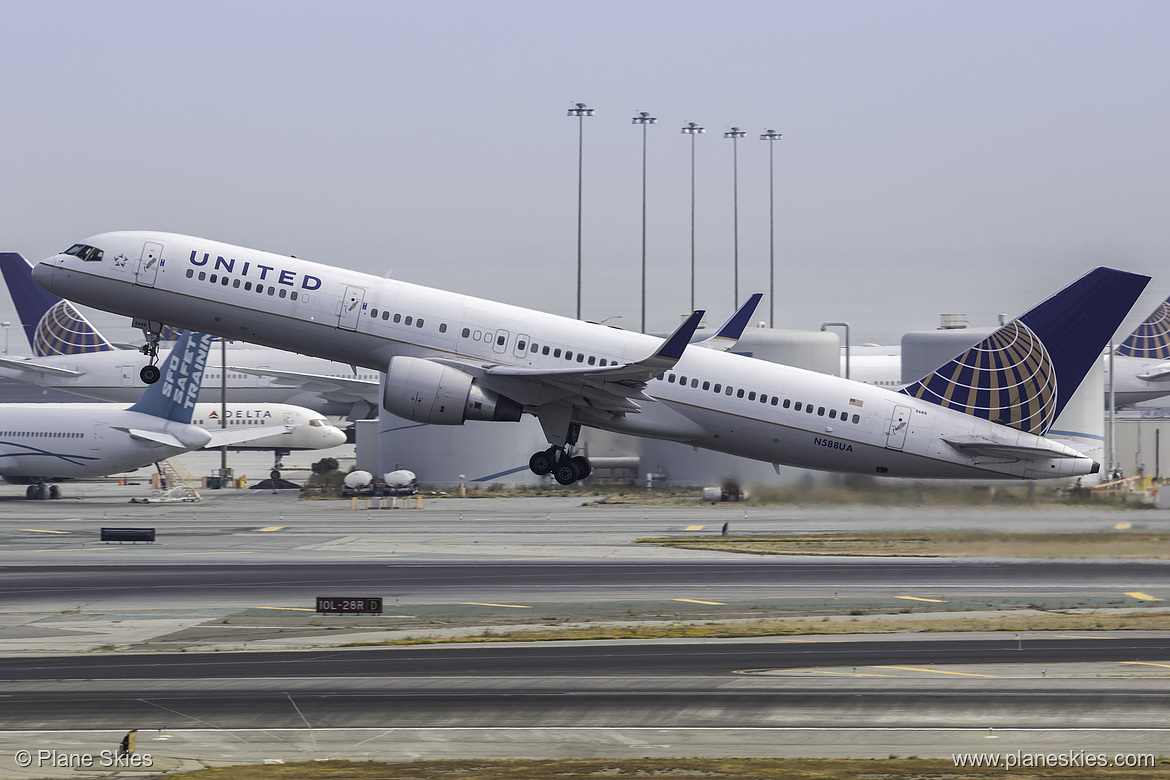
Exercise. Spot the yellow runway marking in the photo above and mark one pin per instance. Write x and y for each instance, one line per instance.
(1146, 663)
(482, 604)
(695, 527)
(289, 609)
(1123, 526)
(219, 552)
(39, 531)
(919, 598)
(1082, 636)
(1137, 594)
(271, 528)
(697, 601)
(388, 555)
(851, 674)
(934, 671)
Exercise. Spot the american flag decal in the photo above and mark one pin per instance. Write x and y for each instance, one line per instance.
(856, 402)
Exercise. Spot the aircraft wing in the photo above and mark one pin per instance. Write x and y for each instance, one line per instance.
(729, 332)
(225, 437)
(37, 368)
(319, 383)
(986, 446)
(609, 390)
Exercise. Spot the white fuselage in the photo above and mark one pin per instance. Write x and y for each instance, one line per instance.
(113, 376)
(85, 440)
(312, 431)
(774, 413)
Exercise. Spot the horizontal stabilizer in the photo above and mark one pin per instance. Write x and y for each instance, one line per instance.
(988, 447)
(158, 437)
(1159, 373)
(731, 331)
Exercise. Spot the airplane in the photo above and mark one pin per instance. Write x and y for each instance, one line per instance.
(70, 354)
(1140, 365)
(307, 429)
(42, 442)
(450, 358)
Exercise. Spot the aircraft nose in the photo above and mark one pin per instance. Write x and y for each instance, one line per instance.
(336, 437)
(42, 274)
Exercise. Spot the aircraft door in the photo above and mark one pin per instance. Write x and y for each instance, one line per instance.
(899, 425)
(129, 375)
(148, 264)
(501, 343)
(352, 304)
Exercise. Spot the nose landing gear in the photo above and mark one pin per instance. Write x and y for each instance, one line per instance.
(151, 373)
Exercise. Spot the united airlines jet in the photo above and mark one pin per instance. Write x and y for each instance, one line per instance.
(449, 358)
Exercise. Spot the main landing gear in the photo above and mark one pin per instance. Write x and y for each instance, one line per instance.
(556, 461)
(559, 461)
(41, 491)
(151, 373)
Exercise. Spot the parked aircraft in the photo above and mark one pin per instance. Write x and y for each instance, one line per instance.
(309, 430)
(70, 354)
(451, 358)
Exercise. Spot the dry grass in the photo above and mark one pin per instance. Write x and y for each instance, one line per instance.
(1144, 621)
(672, 768)
(945, 544)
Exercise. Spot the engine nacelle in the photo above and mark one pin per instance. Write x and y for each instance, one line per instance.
(429, 392)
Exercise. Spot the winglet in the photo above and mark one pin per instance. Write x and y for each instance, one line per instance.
(672, 349)
(173, 396)
(53, 326)
(730, 331)
(1151, 339)
(1023, 374)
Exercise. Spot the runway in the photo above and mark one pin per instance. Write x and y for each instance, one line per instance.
(109, 637)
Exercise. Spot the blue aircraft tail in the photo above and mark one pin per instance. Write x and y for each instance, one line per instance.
(173, 396)
(53, 326)
(1151, 339)
(1023, 375)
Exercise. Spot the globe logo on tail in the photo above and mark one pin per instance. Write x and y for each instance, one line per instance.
(1151, 339)
(64, 331)
(1007, 378)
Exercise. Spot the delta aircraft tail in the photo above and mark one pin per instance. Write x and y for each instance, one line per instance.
(1023, 374)
(1151, 339)
(173, 397)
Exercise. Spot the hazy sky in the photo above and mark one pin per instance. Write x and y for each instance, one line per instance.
(937, 156)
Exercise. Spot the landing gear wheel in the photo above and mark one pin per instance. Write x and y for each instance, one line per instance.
(54, 491)
(582, 465)
(566, 472)
(150, 374)
(543, 462)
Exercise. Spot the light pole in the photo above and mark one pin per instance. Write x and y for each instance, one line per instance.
(580, 110)
(770, 136)
(643, 118)
(692, 129)
(6, 326)
(735, 134)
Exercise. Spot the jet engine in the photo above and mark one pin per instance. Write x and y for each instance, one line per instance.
(429, 392)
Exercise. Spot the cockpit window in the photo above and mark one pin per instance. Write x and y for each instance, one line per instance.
(316, 423)
(90, 254)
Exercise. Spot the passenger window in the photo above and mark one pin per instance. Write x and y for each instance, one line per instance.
(272, 291)
(856, 419)
(409, 320)
(248, 286)
(292, 295)
(832, 414)
(694, 383)
(797, 407)
(398, 318)
(202, 276)
(604, 363)
(728, 390)
(580, 357)
(820, 411)
(718, 388)
(214, 278)
(190, 272)
(763, 398)
(544, 350)
(752, 395)
(557, 352)
(442, 327)
(706, 385)
(418, 323)
(776, 399)
(523, 345)
(682, 380)
(466, 332)
(500, 341)
(224, 280)
(670, 378)
(739, 393)
(808, 409)
(283, 292)
(385, 314)
(592, 360)
(568, 355)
